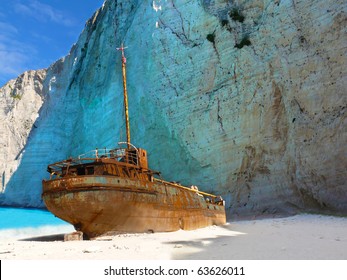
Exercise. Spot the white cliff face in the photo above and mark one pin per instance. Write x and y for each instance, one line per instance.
(243, 98)
(21, 100)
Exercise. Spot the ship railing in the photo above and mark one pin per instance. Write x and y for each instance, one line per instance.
(119, 154)
(128, 155)
(209, 198)
(101, 153)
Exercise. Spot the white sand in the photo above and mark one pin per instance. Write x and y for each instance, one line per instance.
(297, 237)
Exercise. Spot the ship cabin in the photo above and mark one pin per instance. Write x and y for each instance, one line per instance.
(122, 162)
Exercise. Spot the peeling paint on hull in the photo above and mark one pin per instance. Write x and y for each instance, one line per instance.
(99, 205)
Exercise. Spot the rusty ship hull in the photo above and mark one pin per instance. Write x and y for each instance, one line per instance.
(99, 205)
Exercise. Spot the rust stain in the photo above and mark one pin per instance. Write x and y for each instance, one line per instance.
(118, 193)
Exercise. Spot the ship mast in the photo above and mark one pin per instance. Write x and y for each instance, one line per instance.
(126, 110)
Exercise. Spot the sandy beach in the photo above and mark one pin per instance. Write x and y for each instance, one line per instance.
(300, 237)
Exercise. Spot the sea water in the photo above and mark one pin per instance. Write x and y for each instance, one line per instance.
(24, 217)
(24, 222)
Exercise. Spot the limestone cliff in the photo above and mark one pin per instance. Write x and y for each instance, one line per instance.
(20, 103)
(243, 98)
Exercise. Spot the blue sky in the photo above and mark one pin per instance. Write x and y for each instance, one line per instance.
(35, 33)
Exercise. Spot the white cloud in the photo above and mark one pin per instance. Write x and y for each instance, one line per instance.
(11, 62)
(17, 52)
(13, 53)
(6, 28)
(43, 13)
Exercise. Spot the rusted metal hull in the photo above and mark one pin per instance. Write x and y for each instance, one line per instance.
(99, 205)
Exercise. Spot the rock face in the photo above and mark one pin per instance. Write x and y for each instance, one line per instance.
(20, 103)
(243, 98)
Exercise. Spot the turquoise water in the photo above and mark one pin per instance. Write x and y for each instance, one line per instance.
(14, 218)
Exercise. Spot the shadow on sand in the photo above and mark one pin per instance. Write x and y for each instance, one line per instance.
(208, 248)
(45, 238)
